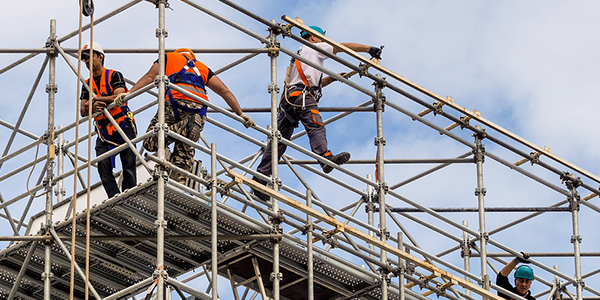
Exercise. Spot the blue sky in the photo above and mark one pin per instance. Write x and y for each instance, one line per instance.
(529, 66)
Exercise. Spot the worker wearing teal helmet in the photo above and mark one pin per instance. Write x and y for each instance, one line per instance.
(300, 99)
(523, 278)
(318, 29)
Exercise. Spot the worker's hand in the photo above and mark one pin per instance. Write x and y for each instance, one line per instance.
(119, 100)
(248, 122)
(98, 105)
(375, 52)
(525, 258)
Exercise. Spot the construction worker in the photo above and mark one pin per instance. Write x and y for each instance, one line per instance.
(300, 99)
(523, 278)
(185, 115)
(107, 84)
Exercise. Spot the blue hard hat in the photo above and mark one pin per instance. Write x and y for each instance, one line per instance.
(318, 29)
(524, 272)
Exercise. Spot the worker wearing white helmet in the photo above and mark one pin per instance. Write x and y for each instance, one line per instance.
(107, 84)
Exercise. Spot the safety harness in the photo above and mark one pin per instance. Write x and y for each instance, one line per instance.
(298, 90)
(194, 79)
(122, 115)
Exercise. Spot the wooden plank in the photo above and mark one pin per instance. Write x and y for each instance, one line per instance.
(363, 236)
(298, 23)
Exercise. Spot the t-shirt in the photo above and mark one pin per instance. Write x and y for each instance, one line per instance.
(116, 81)
(313, 76)
(210, 72)
(502, 281)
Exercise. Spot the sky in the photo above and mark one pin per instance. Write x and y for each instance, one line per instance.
(528, 66)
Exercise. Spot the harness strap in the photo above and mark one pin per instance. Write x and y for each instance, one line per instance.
(196, 80)
(176, 107)
(304, 80)
(107, 82)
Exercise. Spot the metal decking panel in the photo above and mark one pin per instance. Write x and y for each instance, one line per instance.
(115, 265)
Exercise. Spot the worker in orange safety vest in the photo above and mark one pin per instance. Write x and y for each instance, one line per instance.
(185, 115)
(107, 84)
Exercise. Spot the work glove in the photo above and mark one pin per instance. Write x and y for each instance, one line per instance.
(375, 52)
(119, 100)
(525, 258)
(248, 122)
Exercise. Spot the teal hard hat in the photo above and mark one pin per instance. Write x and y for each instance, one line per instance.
(318, 29)
(524, 272)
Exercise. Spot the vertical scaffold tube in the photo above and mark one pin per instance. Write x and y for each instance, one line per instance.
(370, 209)
(51, 89)
(276, 276)
(466, 254)
(380, 142)
(60, 159)
(213, 220)
(400, 268)
(309, 247)
(160, 217)
(574, 202)
(480, 193)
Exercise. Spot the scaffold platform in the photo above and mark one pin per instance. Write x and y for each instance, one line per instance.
(123, 251)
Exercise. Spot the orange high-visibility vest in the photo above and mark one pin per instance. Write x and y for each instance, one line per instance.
(106, 131)
(186, 78)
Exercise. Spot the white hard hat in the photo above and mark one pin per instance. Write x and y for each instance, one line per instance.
(96, 47)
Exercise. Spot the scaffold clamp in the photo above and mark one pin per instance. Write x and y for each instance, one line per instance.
(481, 191)
(160, 32)
(48, 276)
(160, 223)
(379, 140)
(278, 276)
(274, 87)
(51, 88)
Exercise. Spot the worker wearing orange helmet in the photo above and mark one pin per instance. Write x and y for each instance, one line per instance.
(186, 115)
(523, 278)
(106, 86)
(300, 100)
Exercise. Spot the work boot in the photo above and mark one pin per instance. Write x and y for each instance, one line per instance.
(339, 159)
(258, 194)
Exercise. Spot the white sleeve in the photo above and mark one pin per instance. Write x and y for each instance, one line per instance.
(326, 47)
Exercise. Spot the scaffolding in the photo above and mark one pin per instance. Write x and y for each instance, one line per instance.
(150, 239)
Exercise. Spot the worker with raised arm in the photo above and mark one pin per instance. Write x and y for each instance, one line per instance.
(186, 115)
(299, 103)
(106, 86)
(523, 278)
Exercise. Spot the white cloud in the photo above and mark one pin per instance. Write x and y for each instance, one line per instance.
(528, 66)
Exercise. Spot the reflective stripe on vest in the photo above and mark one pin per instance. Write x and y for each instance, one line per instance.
(188, 74)
(106, 131)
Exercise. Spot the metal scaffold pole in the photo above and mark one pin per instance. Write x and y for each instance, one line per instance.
(379, 102)
(480, 191)
(273, 46)
(51, 89)
(213, 221)
(466, 253)
(161, 273)
(309, 247)
(574, 199)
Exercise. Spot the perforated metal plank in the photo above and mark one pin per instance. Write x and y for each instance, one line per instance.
(117, 264)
